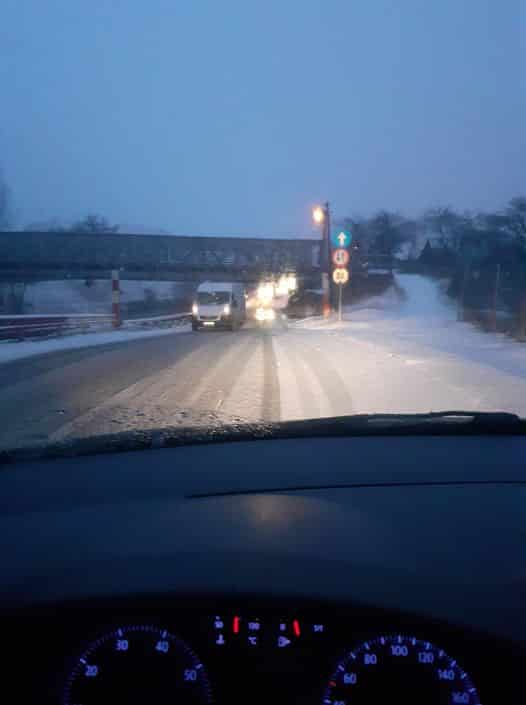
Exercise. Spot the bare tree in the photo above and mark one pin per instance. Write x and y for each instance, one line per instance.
(94, 224)
(382, 233)
(449, 225)
(388, 231)
(516, 213)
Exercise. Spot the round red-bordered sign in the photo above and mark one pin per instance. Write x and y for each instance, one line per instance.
(340, 257)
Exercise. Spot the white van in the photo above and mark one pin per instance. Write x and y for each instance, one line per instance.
(219, 305)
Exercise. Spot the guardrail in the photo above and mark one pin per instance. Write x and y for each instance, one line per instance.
(156, 320)
(37, 326)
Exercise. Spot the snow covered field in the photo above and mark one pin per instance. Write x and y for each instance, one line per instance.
(73, 296)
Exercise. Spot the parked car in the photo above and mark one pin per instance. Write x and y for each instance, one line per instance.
(307, 302)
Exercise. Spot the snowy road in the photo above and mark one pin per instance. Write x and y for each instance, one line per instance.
(402, 352)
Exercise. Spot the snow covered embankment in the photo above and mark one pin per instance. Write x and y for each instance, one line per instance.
(10, 351)
(414, 316)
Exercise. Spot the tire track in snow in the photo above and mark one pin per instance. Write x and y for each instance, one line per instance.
(218, 381)
(170, 396)
(271, 406)
(329, 379)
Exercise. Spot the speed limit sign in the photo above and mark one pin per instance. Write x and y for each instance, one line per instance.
(340, 276)
(340, 257)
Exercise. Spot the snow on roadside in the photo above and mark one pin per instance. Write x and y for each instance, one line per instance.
(401, 352)
(10, 351)
(414, 317)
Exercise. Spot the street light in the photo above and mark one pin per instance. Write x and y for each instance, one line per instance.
(322, 216)
(318, 215)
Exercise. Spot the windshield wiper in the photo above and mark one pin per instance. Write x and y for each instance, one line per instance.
(477, 417)
(434, 422)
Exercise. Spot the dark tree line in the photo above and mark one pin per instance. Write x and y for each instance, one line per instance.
(93, 224)
(89, 224)
(389, 232)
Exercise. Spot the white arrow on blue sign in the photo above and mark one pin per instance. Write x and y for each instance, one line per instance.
(341, 238)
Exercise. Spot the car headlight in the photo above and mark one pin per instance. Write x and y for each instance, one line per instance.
(195, 309)
(265, 314)
(226, 309)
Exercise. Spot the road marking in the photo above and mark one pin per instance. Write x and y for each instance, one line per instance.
(219, 404)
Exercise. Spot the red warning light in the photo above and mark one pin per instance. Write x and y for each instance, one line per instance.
(296, 627)
(235, 625)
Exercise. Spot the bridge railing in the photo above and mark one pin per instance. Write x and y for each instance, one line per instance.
(38, 256)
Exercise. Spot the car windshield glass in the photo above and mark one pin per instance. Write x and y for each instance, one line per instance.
(216, 214)
(213, 297)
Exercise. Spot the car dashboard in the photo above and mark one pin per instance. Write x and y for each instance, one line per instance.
(317, 571)
(253, 650)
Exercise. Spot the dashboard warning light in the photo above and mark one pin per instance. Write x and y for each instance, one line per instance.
(235, 625)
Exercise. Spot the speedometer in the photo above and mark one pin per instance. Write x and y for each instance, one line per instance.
(399, 669)
(138, 664)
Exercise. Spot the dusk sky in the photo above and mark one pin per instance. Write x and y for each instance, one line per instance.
(236, 116)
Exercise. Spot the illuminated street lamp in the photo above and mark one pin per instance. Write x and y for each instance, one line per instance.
(318, 215)
(322, 216)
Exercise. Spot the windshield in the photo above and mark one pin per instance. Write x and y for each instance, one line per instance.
(227, 213)
(213, 297)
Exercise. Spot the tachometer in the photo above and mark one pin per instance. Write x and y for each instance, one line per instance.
(138, 664)
(399, 669)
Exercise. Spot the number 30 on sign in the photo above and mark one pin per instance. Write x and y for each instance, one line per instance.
(340, 276)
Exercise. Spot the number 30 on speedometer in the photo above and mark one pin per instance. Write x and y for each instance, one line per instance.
(138, 664)
(399, 669)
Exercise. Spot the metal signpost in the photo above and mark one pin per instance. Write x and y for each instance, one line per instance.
(341, 240)
(340, 276)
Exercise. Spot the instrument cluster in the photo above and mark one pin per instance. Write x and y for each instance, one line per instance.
(316, 657)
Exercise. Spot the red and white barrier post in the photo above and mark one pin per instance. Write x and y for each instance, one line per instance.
(115, 298)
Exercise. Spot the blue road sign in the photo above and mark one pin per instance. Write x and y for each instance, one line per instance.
(341, 238)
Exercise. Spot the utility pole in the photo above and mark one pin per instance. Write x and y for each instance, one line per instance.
(322, 216)
(462, 297)
(329, 249)
(496, 297)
